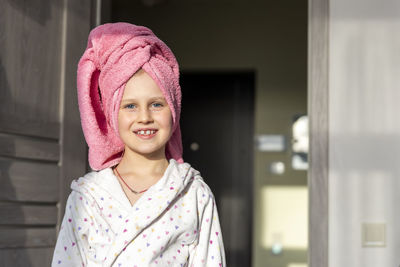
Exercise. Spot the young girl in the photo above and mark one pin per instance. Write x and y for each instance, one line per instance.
(142, 205)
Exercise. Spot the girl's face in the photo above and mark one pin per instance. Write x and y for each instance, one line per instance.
(144, 118)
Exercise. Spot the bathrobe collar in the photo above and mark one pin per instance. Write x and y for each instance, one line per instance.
(104, 188)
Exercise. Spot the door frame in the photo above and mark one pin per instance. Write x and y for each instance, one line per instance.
(77, 22)
(318, 112)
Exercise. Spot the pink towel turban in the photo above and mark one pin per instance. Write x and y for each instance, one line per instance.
(116, 51)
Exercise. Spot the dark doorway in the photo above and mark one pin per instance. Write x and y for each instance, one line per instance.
(217, 133)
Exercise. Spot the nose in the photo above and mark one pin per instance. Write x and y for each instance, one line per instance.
(144, 116)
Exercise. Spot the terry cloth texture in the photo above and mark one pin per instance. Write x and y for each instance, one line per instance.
(114, 53)
(174, 223)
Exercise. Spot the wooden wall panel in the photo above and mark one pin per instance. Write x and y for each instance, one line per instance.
(41, 142)
(32, 257)
(27, 237)
(30, 61)
(28, 181)
(9, 124)
(29, 148)
(15, 214)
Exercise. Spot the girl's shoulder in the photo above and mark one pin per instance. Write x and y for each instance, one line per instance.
(87, 184)
(89, 179)
(197, 184)
(89, 189)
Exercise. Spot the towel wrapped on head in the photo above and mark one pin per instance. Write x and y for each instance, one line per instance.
(114, 53)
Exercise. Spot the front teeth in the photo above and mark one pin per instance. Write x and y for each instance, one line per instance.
(146, 132)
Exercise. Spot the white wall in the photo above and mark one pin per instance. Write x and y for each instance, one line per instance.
(364, 129)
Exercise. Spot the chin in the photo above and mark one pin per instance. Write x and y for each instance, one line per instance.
(150, 152)
(152, 155)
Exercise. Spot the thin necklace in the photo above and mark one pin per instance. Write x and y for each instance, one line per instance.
(133, 191)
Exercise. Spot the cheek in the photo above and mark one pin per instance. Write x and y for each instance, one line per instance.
(170, 124)
(124, 122)
(165, 120)
(168, 120)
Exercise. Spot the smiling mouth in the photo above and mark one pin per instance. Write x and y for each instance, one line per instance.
(145, 132)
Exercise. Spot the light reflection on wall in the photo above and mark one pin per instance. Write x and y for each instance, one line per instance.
(284, 217)
(297, 265)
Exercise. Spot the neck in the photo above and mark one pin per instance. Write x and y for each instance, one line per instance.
(142, 165)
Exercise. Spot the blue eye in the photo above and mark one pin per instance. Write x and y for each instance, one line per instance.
(157, 105)
(130, 106)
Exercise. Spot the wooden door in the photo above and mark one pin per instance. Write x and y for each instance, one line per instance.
(41, 143)
(217, 135)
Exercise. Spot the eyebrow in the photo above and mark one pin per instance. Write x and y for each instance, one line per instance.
(150, 99)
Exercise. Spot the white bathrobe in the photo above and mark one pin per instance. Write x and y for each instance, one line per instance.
(174, 223)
